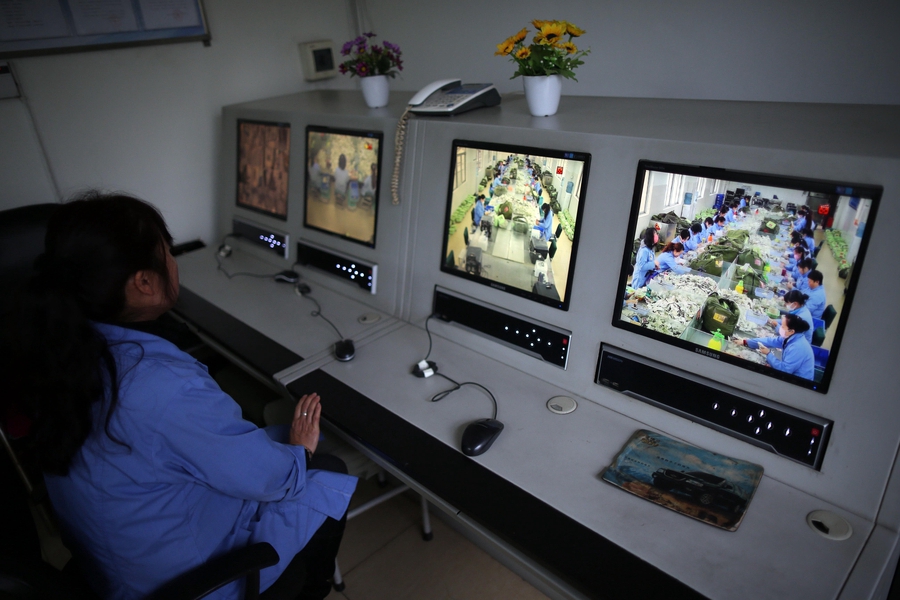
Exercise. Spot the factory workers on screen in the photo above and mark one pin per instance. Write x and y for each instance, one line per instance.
(644, 259)
(796, 353)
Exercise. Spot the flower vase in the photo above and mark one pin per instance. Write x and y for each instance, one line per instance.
(542, 94)
(375, 90)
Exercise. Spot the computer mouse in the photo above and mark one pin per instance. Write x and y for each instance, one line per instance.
(480, 435)
(344, 350)
(288, 276)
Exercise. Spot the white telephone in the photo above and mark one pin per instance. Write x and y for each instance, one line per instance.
(442, 97)
(452, 97)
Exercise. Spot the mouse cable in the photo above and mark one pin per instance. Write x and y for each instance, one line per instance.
(225, 251)
(318, 313)
(428, 331)
(441, 395)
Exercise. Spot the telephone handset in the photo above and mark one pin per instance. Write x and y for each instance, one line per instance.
(442, 97)
(452, 97)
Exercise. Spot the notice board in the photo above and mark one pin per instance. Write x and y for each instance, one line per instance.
(34, 27)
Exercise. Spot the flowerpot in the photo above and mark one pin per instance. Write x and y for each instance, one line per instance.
(375, 90)
(542, 94)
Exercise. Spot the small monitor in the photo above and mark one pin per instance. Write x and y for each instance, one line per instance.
(343, 176)
(513, 216)
(263, 157)
(735, 291)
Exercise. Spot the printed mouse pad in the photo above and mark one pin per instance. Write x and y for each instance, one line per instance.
(698, 483)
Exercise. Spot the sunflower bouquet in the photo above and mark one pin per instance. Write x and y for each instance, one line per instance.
(551, 52)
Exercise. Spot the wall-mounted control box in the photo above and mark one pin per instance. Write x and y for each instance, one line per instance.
(788, 432)
(363, 274)
(266, 237)
(540, 340)
(317, 60)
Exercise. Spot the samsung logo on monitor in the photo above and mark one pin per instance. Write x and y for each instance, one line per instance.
(708, 353)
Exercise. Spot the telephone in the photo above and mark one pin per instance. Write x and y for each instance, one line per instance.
(442, 97)
(452, 97)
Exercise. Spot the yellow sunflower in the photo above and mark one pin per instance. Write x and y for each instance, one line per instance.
(505, 47)
(523, 53)
(539, 23)
(573, 30)
(519, 36)
(551, 33)
(569, 47)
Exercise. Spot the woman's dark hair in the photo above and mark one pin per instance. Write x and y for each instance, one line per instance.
(545, 208)
(648, 237)
(796, 238)
(720, 219)
(816, 276)
(796, 323)
(806, 263)
(685, 234)
(342, 161)
(796, 296)
(58, 364)
(708, 220)
(696, 228)
(674, 247)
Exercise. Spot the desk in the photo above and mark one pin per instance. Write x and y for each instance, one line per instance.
(537, 490)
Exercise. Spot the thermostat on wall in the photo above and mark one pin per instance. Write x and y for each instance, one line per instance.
(317, 59)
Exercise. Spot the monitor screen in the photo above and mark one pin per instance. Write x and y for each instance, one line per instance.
(512, 218)
(264, 152)
(343, 170)
(763, 279)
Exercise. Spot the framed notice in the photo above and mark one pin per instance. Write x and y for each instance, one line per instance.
(33, 27)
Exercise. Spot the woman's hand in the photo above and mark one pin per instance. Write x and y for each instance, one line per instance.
(305, 426)
(765, 351)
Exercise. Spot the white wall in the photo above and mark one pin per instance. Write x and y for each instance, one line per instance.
(146, 120)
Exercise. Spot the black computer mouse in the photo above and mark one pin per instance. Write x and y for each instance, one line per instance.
(287, 277)
(344, 350)
(480, 435)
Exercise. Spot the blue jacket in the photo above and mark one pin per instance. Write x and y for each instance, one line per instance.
(479, 212)
(643, 266)
(667, 262)
(693, 242)
(816, 302)
(197, 480)
(546, 225)
(796, 355)
(800, 224)
(803, 313)
(810, 244)
(729, 217)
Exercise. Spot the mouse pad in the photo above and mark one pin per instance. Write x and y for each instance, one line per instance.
(695, 482)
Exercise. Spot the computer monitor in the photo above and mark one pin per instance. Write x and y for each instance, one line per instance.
(263, 157)
(721, 289)
(343, 176)
(513, 217)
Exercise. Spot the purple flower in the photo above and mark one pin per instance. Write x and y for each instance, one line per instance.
(345, 49)
(391, 46)
(362, 69)
(342, 68)
(369, 34)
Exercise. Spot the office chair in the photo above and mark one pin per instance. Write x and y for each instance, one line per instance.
(466, 235)
(559, 230)
(828, 315)
(23, 574)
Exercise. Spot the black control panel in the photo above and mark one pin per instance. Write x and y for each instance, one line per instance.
(785, 431)
(261, 236)
(342, 265)
(537, 339)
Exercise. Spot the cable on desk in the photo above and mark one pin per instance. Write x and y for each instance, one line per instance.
(428, 331)
(441, 395)
(318, 312)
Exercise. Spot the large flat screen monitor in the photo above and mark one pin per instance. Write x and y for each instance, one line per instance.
(513, 216)
(264, 153)
(343, 173)
(766, 283)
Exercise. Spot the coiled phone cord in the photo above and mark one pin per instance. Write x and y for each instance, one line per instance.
(399, 138)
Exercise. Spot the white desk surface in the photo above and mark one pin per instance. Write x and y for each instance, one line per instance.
(556, 458)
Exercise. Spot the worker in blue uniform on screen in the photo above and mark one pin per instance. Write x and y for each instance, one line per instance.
(816, 302)
(644, 261)
(801, 276)
(478, 213)
(666, 259)
(795, 304)
(545, 223)
(796, 353)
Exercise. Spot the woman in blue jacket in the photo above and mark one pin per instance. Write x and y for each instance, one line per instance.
(795, 304)
(545, 223)
(644, 259)
(666, 259)
(148, 464)
(796, 353)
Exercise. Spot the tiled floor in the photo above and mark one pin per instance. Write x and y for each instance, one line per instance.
(383, 557)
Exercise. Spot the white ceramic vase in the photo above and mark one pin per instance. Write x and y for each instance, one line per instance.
(542, 94)
(375, 90)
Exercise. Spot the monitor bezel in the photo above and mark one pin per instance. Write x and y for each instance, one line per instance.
(237, 183)
(810, 184)
(585, 157)
(360, 133)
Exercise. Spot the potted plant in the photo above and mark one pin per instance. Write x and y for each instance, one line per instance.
(373, 64)
(542, 64)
